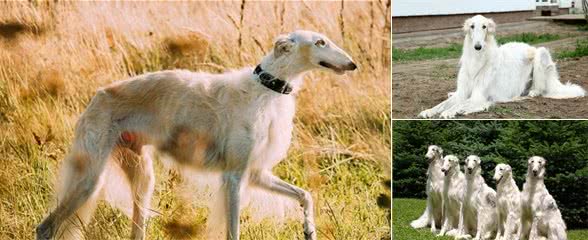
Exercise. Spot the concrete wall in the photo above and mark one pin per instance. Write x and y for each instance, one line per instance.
(432, 22)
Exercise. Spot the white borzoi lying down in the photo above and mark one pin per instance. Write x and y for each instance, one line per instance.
(478, 213)
(541, 217)
(433, 212)
(490, 73)
(508, 204)
(238, 123)
(453, 191)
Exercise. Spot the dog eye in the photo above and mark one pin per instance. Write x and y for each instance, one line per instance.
(484, 27)
(320, 43)
(472, 27)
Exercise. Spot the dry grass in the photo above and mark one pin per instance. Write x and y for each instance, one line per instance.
(53, 56)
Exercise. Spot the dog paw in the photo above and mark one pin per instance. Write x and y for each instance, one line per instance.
(426, 114)
(309, 232)
(309, 235)
(44, 232)
(534, 93)
(448, 114)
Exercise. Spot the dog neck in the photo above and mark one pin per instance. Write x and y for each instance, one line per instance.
(435, 166)
(534, 181)
(506, 183)
(286, 69)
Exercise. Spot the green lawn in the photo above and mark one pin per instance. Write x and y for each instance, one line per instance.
(406, 210)
(454, 50)
(580, 50)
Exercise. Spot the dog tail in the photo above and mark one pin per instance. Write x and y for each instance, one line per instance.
(546, 78)
(422, 221)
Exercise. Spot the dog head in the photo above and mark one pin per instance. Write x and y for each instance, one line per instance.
(434, 152)
(472, 165)
(450, 163)
(502, 171)
(313, 50)
(477, 29)
(536, 167)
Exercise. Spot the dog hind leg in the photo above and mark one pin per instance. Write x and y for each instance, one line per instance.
(139, 171)
(95, 138)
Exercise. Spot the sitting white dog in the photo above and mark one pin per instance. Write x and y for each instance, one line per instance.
(433, 213)
(541, 215)
(453, 191)
(508, 204)
(478, 214)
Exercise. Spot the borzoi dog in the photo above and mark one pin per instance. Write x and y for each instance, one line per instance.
(433, 212)
(478, 212)
(508, 204)
(453, 191)
(237, 123)
(490, 73)
(541, 217)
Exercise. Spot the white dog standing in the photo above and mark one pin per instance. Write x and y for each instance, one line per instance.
(541, 217)
(478, 210)
(508, 204)
(453, 191)
(433, 212)
(237, 123)
(490, 73)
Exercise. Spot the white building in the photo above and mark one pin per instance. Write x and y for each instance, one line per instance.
(402, 8)
(421, 15)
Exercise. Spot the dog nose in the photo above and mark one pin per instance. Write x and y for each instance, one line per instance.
(478, 46)
(351, 66)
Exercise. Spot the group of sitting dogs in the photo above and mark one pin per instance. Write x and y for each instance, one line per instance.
(463, 205)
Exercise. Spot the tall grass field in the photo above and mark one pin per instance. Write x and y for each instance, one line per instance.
(55, 55)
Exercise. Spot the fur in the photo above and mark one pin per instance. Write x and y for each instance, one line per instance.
(541, 217)
(227, 123)
(453, 192)
(490, 73)
(478, 214)
(508, 204)
(433, 212)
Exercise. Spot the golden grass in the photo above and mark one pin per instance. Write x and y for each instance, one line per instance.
(53, 56)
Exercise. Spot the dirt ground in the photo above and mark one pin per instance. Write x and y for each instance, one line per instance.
(417, 86)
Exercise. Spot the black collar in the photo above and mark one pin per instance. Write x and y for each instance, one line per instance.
(271, 82)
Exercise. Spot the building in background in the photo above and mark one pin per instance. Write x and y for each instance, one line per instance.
(556, 7)
(422, 15)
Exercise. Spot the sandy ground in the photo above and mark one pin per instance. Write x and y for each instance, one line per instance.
(417, 86)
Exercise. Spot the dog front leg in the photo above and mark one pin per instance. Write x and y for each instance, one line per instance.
(232, 181)
(445, 225)
(430, 213)
(499, 227)
(266, 180)
(460, 226)
(534, 235)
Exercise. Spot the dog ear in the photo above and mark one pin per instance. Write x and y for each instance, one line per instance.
(467, 25)
(491, 26)
(283, 45)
